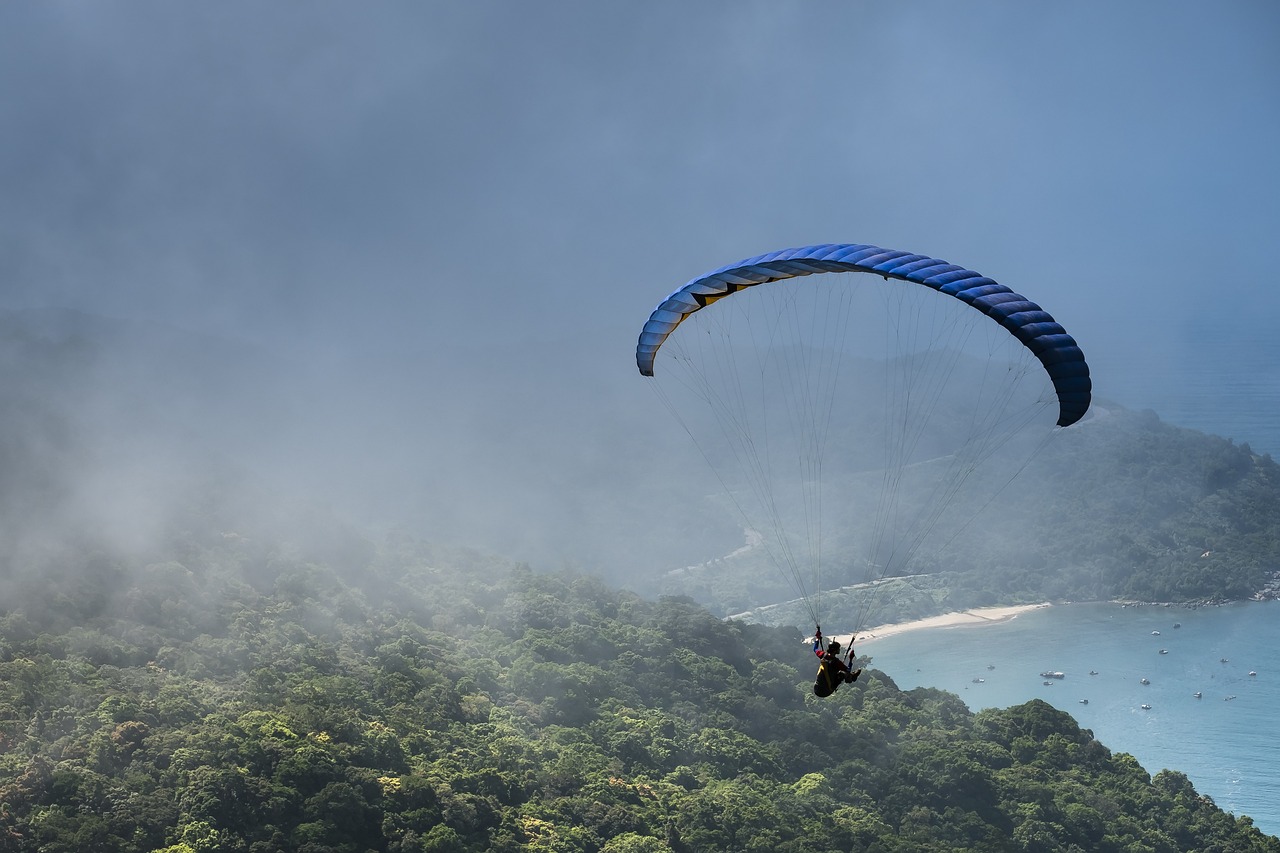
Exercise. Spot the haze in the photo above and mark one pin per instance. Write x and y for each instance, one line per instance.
(394, 257)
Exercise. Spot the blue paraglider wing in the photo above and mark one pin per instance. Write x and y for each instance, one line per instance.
(1024, 319)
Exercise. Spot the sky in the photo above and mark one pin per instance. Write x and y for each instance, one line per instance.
(473, 207)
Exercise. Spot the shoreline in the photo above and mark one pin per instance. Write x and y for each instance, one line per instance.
(997, 615)
(955, 619)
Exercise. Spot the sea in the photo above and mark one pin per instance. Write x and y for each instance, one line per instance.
(1208, 708)
(1222, 376)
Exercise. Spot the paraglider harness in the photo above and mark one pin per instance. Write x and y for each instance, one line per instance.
(833, 671)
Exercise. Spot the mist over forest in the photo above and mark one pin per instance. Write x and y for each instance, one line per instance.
(120, 429)
(125, 435)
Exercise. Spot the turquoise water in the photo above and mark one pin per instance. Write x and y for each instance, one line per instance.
(1229, 748)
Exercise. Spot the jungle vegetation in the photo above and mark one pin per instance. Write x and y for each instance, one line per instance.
(240, 694)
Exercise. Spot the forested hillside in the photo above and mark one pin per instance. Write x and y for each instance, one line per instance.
(238, 694)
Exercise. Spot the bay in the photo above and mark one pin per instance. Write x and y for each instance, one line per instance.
(1226, 742)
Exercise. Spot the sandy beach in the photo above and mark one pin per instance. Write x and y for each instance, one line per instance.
(961, 618)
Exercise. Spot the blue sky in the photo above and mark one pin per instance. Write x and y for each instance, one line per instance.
(415, 185)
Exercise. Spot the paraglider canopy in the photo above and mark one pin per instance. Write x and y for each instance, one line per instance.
(1025, 320)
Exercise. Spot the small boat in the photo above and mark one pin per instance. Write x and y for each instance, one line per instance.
(1093, 672)
(1223, 660)
(1144, 681)
(1053, 673)
(1155, 633)
(1164, 651)
(1048, 684)
(979, 681)
(991, 666)
(1084, 701)
(1196, 694)
(1146, 707)
(1252, 672)
(1177, 624)
(1229, 698)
